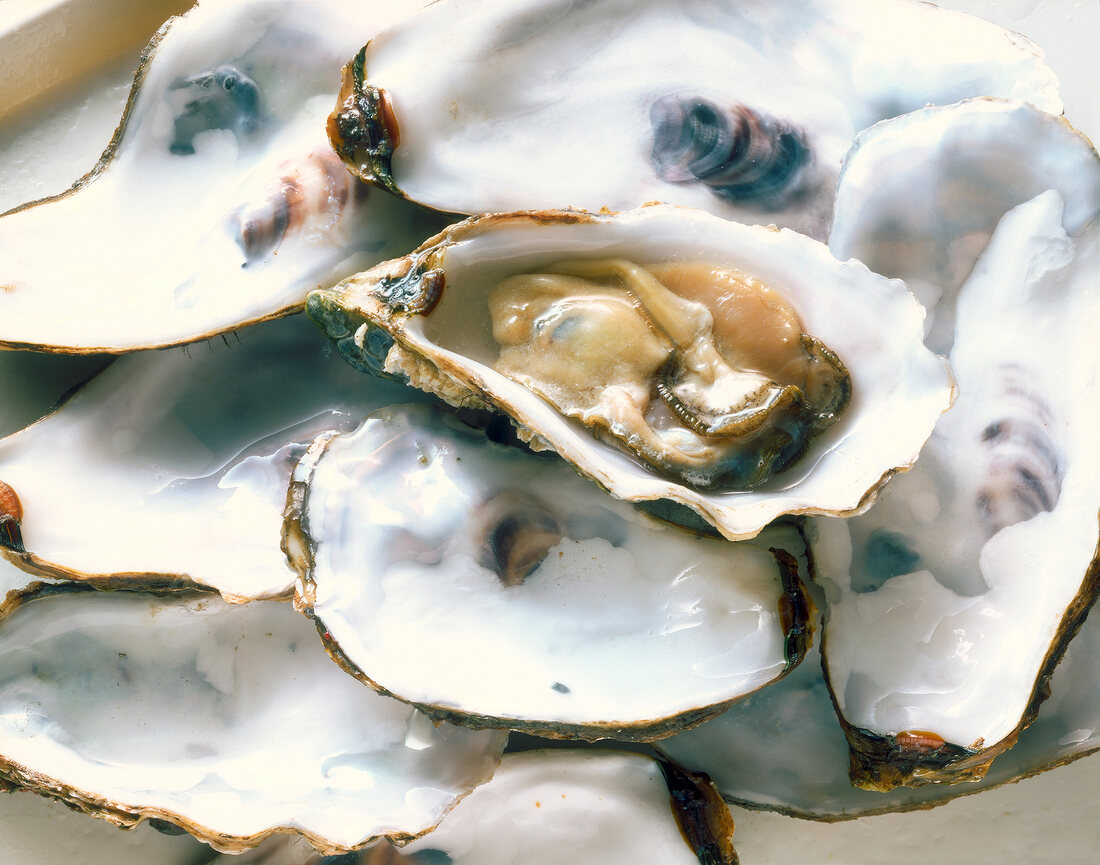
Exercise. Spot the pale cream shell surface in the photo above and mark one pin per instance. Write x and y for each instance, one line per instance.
(626, 627)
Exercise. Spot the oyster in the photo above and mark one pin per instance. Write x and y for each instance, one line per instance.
(164, 448)
(952, 600)
(919, 196)
(428, 318)
(274, 737)
(741, 108)
(530, 599)
(217, 203)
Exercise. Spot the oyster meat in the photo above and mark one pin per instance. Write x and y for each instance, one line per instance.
(675, 378)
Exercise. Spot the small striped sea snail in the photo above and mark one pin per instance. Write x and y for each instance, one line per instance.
(308, 197)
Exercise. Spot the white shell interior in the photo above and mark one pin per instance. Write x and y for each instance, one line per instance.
(954, 645)
(146, 253)
(230, 719)
(178, 462)
(920, 195)
(549, 807)
(625, 621)
(519, 106)
(783, 748)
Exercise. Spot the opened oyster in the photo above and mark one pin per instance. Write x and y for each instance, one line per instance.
(677, 373)
(218, 202)
(741, 108)
(783, 748)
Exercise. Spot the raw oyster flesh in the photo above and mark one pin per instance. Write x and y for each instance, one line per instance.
(218, 202)
(682, 377)
(227, 720)
(528, 598)
(741, 108)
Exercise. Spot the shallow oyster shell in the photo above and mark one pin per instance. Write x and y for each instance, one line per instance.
(218, 202)
(784, 750)
(172, 468)
(952, 600)
(424, 317)
(227, 720)
(490, 587)
(741, 108)
(585, 807)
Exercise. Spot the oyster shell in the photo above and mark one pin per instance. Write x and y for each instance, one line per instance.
(274, 737)
(164, 448)
(499, 589)
(426, 318)
(585, 807)
(920, 195)
(952, 600)
(741, 108)
(218, 202)
(782, 749)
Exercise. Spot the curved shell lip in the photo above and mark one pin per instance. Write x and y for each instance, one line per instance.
(298, 545)
(649, 730)
(127, 816)
(111, 149)
(739, 515)
(190, 339)
(18, 776)
(878, 762)
(137, 581)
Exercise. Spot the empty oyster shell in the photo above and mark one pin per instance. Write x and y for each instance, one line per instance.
(952, 600)
(533, 600)
(920, 195)
(227, 720)
(587, 807)
(782, 749)
(172, 467)
(218, 203)
(427, 318)
(741, 108)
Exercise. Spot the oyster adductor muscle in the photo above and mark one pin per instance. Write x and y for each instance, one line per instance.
(666, 353)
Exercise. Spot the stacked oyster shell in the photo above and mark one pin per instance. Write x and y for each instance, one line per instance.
(689, 464)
